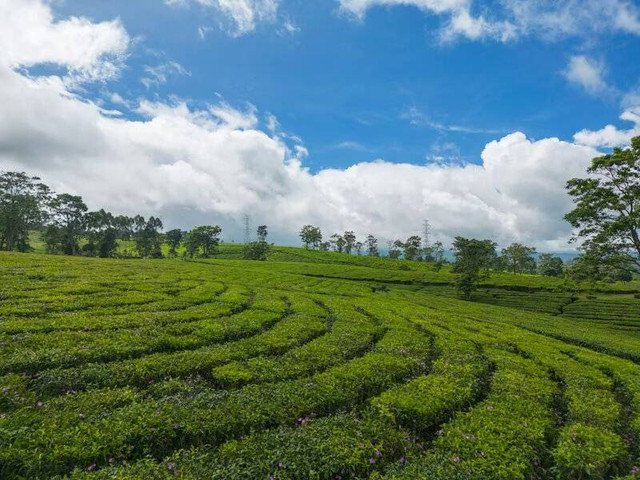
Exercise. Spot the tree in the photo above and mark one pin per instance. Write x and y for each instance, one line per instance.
(22, 202)
(311, 236)
(262, 233)
(203, 241)
(174, 239)
(473, 260)
(435, 254)
(550, 265)
(338, 242)
(349, 241)
(148, 236)
(606, 217)
(372, 246)
(324, 246)
(395, 249)
(67, 223)
(412, 248)
(259, 249)
(358, 246)
(519, 258)
(101, 233)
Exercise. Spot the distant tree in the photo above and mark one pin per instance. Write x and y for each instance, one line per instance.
(311, 236)
(124, 227)
(148, 236)
(358, 247)
(67, 223)
(174, 239)
(203, 241)
(258, 250)
(550, 265)
(22, 207)
(395, 249)
(262, 233)
(338, 242)
(101, 234)
(412, 248)
(349, 241)
(372, 246)
(473, 261)
(324, 246)
(436, 255)
(606, 217)
(519, 258)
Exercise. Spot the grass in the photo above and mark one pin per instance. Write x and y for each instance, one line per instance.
(311, 365)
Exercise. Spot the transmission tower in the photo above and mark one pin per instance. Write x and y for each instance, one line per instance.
(247, 232)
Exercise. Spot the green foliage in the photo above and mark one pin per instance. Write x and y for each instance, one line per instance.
(203, 241)
(22, 207)
(607, 212)
(297, 368)
(473, 260)
(519, 258)
(311, 236)
(550, 266)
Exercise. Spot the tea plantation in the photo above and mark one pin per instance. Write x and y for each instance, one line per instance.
(314, 366)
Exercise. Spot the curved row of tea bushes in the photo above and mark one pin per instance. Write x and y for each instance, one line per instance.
(505, 437)
(47, 440)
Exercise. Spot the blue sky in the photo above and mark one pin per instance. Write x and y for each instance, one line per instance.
(367, 115)
(350, 89)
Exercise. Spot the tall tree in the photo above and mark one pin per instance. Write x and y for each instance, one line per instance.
(606, 217)
(550, 265)
(22, 202)
(338, 242)
(519, 258)
(349, 241)
(311, 236)
(262, 233)
(412, 248)
(435, 253)
(473, 260)
(101, 234)
(67, 223)
(258, 250)
(203, 240)
(372, 246)
(148, 236)
(395, 248)
(358, 247)
(174, 239)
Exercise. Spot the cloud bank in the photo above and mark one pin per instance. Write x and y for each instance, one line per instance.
(213, 165)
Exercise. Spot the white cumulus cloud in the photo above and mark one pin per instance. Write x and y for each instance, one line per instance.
(587, 73)
(244, 15)
(212, 165)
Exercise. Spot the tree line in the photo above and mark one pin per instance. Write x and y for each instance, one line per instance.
(606, 222)
(68, 227)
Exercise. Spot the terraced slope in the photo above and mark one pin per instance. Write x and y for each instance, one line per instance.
(228, 369)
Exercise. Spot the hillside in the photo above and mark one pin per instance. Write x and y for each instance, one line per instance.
(311, 365)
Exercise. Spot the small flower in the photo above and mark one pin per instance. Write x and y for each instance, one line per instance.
(171, 466)
(403, 460)
(176, 426)
(372, 461)
(92, 467)
(280, 465)
(378, 453)
(111, 460)
(440, 432)
(456, 459)
(635, 471)
(82, 416)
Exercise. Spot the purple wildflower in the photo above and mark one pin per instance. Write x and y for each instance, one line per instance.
(372, 461)
(92, 467)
